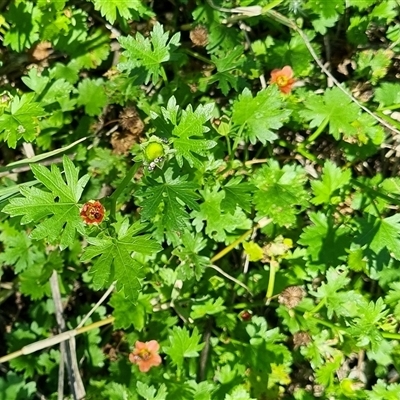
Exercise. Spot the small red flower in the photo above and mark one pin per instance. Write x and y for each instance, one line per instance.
(283, 78)
(92, 212)
(145, 355)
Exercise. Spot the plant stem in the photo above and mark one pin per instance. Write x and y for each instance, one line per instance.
(376, 193)
(118, 191)
(391, 335)
(273, 268)
(198, 56)
(301, 150)
(318, 306)
(315, 135)
(328, 324)
(227, 249)
(392, 107)
(229, 146)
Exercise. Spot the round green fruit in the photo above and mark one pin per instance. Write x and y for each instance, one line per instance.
(153, 150)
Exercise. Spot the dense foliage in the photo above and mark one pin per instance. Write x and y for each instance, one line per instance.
(235, 204)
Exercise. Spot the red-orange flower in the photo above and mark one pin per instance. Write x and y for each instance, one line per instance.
(283, 78)
(145, 355)
(92, 212)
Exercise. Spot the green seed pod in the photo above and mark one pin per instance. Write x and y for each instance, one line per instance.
(153, 150)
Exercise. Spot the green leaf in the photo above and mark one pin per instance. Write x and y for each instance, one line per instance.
(293, 53)
(22, 335)
(148, 53)
(166, 199)
(319, 349)
(384, 391)
(115, 391)
(361, 4)
(326, 243)
(218, 222)
(183, 345)
(63, 215)
(192, 263)
(364, 328)
(109, 8)
(113, 258)
(387, 94)
(328, 13)
(92, 96)
(50, 91)
(237, 193)
(53, 21)
(333, 178)
(392, 298)
(239, 393)
(126, 315)
(210, 307)
(86, 51)
(375, 63)
(386, 10)
(20, 120)
(260, 116)
(226, 64)
(281, 193)
(14, 387)
(336, 108)
(253, 250)
(149, 392)
(34, 281)
(382, 353)
(343, 303)
(189, 134)
(203, 390)
(17, 249)
(378, 234)
(391, 186)
(356, 260)
(93, 351)
(326, 373)
(24, 20)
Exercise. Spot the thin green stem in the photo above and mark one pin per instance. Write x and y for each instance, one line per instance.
(375, 192)
(327, 324)
(163, 74)
(229, 146)
(273, 268)
(318, 306)
(114, 197)
(386, 335)
(303, 151)
(388, 119)
(271, 5)
(198, 56)
(314, 136)
(391, 335)
(392, 107)
(227, 249)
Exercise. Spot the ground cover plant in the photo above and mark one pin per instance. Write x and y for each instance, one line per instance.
(199, 199)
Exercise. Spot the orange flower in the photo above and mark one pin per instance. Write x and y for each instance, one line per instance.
(145, 355)
(283, 78)
(92, 212)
